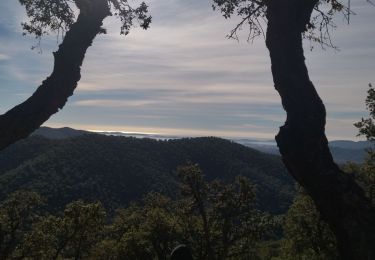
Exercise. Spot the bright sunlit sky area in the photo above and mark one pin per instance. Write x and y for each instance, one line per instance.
(183, 77)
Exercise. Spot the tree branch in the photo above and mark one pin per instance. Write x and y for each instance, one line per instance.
(54, 92)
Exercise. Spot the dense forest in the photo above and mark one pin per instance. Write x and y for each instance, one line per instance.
(67, 194)
(215, 219)
(91, 196)
(116, 170)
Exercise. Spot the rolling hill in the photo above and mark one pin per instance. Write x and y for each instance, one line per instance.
(117, 170)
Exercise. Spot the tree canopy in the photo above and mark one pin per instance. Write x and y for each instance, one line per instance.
(316, 26)
(57, 16)
(220, 223)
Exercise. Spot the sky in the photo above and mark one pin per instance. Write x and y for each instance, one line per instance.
(184, 77)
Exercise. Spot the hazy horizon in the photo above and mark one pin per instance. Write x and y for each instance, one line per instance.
(176, 135)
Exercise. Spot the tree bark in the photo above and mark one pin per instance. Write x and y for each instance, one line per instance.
(54, 92)
(302, 141)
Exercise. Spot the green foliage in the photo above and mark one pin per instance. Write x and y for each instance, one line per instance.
(17, 213)
(253, 13)
(143, 231)
(26, 233)
(127, 15)
(216, 220)
(47, 15)
(117, 170)
(365, 173)
(307, 235)
(366, 126)
(225, 224)
(71, 235)
(57, 16)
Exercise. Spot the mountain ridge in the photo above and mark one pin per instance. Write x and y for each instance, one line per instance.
(116, 170)
(342, 150)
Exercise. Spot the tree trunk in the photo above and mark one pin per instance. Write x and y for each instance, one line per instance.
(54, 92)
(302, 141)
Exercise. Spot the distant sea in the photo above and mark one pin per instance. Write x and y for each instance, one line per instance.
(243, 141)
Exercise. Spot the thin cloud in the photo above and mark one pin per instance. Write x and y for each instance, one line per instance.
(183, 76)
(113, 103)
(4, 57)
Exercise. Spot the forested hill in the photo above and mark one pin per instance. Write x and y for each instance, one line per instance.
(116, 170)
(59, 133)
(342, 150)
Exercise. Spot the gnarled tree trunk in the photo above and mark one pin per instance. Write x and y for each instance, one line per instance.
(54, 92)
(302, 141)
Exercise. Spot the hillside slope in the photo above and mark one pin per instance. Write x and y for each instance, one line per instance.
(59, 133)
(116, 170)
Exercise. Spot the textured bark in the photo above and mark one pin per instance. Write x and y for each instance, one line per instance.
(54, 92)
(302, 141)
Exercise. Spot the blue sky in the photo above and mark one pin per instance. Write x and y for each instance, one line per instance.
(184, 77)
